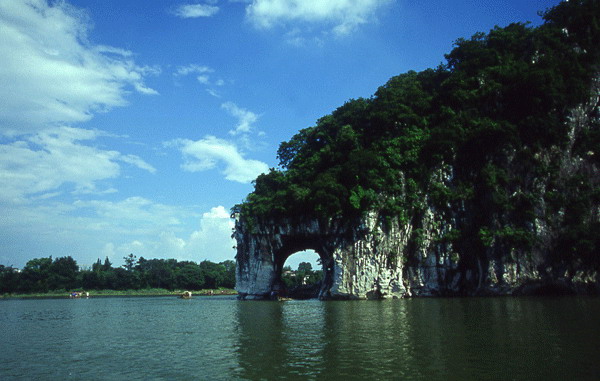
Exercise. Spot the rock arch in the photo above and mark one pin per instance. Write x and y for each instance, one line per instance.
(263, 249)
(364, 260)
(356, 262)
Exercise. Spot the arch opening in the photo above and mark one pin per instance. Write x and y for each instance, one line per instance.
(298, 257)
(301, 272)
(302, 275)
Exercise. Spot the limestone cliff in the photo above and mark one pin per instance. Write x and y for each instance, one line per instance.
(375, 257)
(479, 177)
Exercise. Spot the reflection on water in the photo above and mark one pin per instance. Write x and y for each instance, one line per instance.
(281, 339)
(222, 339)
(502, 338)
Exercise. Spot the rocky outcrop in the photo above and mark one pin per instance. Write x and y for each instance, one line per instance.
(380, 257)
(369, 261)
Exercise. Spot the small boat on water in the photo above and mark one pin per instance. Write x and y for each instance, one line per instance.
(186, 295)
(78, 294)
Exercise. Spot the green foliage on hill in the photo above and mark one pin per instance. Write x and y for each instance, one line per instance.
(477, 133)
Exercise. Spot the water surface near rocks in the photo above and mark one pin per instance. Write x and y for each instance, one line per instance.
(221, 338)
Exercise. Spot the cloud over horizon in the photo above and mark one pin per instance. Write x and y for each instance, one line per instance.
(132, 225)
(211, 241)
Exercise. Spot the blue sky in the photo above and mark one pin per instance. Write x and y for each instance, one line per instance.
(130, 126)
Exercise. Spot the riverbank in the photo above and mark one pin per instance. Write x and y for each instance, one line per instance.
(117, 293)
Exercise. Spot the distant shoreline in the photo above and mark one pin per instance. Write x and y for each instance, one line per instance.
(117, 293)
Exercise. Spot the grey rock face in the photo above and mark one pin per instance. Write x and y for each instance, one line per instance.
(368, 262)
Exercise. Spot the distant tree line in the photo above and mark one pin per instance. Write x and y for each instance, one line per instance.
(304, 276)
(46, 274)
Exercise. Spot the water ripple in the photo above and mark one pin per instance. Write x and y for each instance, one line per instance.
(225, 339)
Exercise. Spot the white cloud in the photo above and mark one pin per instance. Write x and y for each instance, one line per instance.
(212, 241)
(139, 212)
(342, 16)
(211, 152)
(41, 163)
(98, 228)
(195, 10)
(108, 251)
(214, 93)
(202, 76)
(43, 47)
(245, 118)
(137, 162)
(193, 69)
(203, 79)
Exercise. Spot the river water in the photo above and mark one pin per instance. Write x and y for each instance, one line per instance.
(221, 338)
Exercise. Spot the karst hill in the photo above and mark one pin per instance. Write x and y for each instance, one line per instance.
(478, 177)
